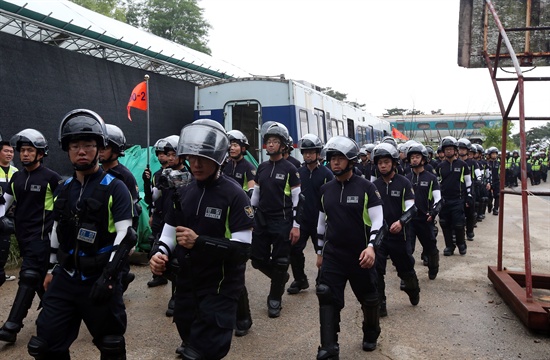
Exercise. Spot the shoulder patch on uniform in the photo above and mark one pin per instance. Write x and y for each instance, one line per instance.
(297, 175)
(378, 194)
(107, 179)
(249, 211)
(67, 181)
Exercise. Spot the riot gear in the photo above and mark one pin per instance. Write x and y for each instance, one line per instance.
(417, 149)
(389, 140)
(238, 137)
(385, 150)
(280, 131)
(449, 141)
(116, 138)
(206, 138)
(464, 143)
(310, 142)
(82, 124)
(343, 145)
(30, 137)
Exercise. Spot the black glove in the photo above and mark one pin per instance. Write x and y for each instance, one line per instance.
(104, 288)
(146, 176)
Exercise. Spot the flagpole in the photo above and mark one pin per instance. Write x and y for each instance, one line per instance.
(148, 130)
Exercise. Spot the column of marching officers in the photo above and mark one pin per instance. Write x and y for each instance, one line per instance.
(211, 210)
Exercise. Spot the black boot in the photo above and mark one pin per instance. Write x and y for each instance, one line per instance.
(244, 319)
(371, 323)
(297, 263)
(433, 265)
(274, 300)
(412, 288)
(449, 245)
(21, 305)
(460, 240)
(328, 319)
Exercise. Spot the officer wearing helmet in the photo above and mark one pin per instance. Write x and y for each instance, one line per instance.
(349, 226)
(33, 189)
(455, 180)
(512, 167)
(312, 176)
(6, 172)
(151, 190)
(275, 198)
(211, 241)
(238, 167)
(481, 195)
(466, 155)
(91, 239)
(428, 202)
(108, 158)
(243, 172)
(493, 180)
(288, 157)
(399, 209)
(367, 167)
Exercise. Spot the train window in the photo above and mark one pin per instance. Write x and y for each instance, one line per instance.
(369, 139)
(341, 128)
(351, 129)
(423, 126)
(460, 124)
(303, 122)
(313, 129)
(332, 128)
(400, 126)
(441, 125)
(479, 124)
(320, 116)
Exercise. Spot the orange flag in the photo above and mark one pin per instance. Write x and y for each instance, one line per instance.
(396, 134)
(138, 99)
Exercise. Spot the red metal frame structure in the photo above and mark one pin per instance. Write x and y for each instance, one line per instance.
(510, 284)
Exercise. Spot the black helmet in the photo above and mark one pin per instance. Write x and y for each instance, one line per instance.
(239, 137)
(82, 123)
(344, 145)
(385, 150)
(449, 141)
(310, 142)
(492, 149)
(363, 151)
(369, 148)
(405, 147)
(279, 130)
(169, 143)
(116, 138)
(430, 150)
(29, 137)
(464, 143)
(389, 140)
(206, 138)
(290, 144)
(418, 149)
(479, 148)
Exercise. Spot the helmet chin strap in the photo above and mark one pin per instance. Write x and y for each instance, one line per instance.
(89, 166)
(342, 172)
(31, 163)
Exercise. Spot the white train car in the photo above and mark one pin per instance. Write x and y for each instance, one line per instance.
(246, 104)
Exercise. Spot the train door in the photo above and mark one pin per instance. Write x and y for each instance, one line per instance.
(245, 116)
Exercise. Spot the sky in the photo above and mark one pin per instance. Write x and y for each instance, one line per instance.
(382, 53)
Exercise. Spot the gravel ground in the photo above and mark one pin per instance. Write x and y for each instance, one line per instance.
(460, 315)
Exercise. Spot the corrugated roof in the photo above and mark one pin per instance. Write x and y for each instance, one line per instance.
(67, 25)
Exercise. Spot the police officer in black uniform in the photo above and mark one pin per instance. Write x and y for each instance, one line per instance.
(156, 213)
(6, 223)
(399, 209)
(455, 180)
(464, 153)
(32, 189)
(238, 167)
(108, 158)
(349, 224)
(493, 177)
(289, 150)
(312, 177)
(211, 240)
(427, 199)
(242, 171)
(90, 241)
(275, 198)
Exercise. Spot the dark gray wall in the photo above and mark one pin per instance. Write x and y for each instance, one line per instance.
(40, 83)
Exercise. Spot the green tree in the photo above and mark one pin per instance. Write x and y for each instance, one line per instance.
(180, 21)
(112, 8)
(395, 111)
(493, 135)
(335, 94)
(534, 135)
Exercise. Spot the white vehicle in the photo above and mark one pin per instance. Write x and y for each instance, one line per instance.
(246, 104)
